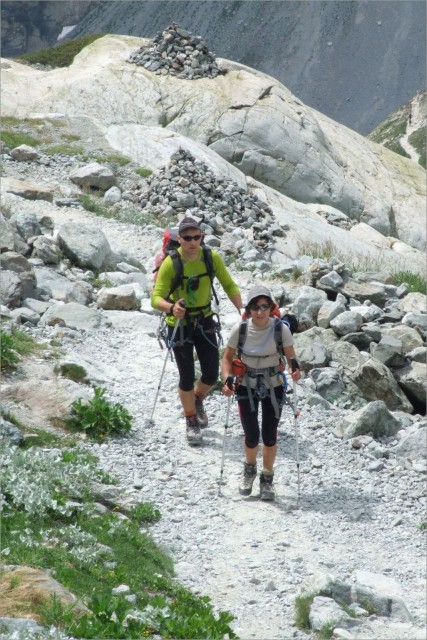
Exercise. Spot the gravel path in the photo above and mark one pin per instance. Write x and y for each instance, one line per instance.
(251, 557)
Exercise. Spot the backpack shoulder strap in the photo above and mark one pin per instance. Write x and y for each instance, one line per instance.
(208, 259)
(179, 271)
(278, 335)
(243, 332)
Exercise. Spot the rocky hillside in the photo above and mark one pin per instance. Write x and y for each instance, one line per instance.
(353, 61)
(97, 159)
(404, 131)
(313, 173)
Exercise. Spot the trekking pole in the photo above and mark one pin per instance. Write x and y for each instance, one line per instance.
(169, 350)
(223, 445)
(296, 414)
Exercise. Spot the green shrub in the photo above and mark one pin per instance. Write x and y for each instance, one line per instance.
(71, 371)
(63, 54)
(143, 172)
(99, 418)
(415, 282)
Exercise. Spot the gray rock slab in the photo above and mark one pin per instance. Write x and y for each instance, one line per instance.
(132, 320)
(73, 316)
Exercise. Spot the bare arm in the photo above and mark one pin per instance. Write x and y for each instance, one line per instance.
(226, 369)
(237, 301)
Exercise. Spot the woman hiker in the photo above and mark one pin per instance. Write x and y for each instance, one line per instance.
(259, 343)
(190, 305)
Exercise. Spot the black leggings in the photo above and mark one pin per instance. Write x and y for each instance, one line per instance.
(249, 419)
(207, 351)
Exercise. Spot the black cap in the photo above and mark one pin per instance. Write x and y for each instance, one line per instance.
(188, 223)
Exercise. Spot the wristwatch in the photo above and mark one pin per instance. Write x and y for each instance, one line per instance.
(171, 309)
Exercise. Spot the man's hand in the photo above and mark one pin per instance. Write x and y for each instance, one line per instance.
(179, 309)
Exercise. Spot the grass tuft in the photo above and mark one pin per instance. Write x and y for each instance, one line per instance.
(64, 149)
(14, 139)
(90, 204)
(414, 282)
(143, 172)
(14, 344)
(302, 610)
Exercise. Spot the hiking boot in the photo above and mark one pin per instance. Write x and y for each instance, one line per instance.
(193, 431)
(266, 488)
(248, 477)
(201, 415)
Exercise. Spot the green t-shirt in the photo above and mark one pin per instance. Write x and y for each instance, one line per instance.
(200, 297)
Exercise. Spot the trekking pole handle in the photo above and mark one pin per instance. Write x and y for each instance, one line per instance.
(295, 364)
(229, 382)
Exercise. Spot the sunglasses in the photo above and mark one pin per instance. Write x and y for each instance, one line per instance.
(260, 307)
(190, 238)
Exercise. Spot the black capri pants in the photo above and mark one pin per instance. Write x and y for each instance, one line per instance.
(202, 337)
(249, 418)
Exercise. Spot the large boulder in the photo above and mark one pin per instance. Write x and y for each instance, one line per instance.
(10, 289)
(375, 380)
(412, 378)
(85, 245)
(374, 419)
(26, 224)
(51, 284)
(12, 261)
(93, 175)
(118, 298)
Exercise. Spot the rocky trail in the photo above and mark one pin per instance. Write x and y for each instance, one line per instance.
(359, 525)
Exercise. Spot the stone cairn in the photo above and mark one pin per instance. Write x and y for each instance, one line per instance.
(188, 186)
(177, 52)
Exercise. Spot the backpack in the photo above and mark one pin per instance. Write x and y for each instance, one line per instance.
(170, 248)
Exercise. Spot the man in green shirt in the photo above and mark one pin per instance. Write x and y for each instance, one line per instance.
(190, 304)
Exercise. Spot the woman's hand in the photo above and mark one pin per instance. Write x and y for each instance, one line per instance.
(227, 388)
(296, 375)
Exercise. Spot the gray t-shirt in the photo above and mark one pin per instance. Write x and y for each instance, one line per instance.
(260, 350)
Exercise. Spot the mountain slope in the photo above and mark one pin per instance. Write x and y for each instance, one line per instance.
(354, 61)
(249, 119)
(404, 131)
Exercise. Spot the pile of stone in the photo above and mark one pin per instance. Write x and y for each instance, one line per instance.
(175, 51)
(187, 185)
